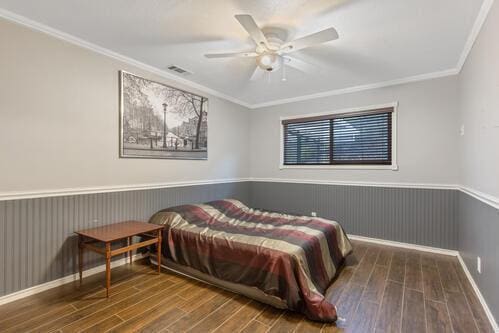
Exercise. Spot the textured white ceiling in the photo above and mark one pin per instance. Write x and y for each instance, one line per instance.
(380, 40)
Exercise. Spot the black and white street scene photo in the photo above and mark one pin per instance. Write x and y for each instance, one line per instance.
(158, 121)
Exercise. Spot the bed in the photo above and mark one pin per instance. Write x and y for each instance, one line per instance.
(283, 260)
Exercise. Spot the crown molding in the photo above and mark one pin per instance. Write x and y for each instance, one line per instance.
(371, 86)
(22, 20)
(475, 31)
(479, 21)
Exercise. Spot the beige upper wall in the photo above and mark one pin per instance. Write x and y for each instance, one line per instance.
(59, 121)
(479, 104)
(426, 141)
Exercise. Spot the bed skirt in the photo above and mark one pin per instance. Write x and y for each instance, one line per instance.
(251, 292)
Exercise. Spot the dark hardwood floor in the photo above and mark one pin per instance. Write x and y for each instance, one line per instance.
(382, 289)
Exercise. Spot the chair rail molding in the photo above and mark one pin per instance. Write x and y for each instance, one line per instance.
(13, 195)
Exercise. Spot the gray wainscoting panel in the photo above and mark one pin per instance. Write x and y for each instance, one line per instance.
(37, 243)
(418, 216)
(478, 236)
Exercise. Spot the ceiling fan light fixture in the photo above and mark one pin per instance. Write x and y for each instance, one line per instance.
(269, 61)
(271, 52)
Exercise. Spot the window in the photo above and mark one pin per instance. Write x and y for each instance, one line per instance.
(355, 138)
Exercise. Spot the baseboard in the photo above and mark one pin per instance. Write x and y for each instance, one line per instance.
(405, 245)
(490, 316)
(66, 279)
(485, 307)
(73, 277)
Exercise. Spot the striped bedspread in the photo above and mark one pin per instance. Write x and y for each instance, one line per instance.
(293, 258)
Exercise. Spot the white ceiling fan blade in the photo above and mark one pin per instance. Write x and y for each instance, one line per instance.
(300, 65)
(258, 74)
(249, 54)
(253, 30)
(310, 40)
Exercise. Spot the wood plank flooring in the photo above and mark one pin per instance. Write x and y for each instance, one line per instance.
(380, 289)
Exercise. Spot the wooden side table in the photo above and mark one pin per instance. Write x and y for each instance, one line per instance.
(116, 232)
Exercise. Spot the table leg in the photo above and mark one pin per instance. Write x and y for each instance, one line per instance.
(108, 267)
(129, 242)
(159, 250)
(80, 257)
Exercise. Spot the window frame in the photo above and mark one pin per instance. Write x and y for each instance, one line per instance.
(345, 112)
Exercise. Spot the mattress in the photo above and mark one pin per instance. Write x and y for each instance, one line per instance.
(290, 261)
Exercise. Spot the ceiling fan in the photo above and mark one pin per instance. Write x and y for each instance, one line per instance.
(272, 52)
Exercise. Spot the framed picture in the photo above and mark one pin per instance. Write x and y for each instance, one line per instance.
(159, 121)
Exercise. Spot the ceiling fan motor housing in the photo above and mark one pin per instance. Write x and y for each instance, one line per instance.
(268, 59)
(272, 51)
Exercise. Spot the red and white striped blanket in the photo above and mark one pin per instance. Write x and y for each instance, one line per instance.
(293, 258)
